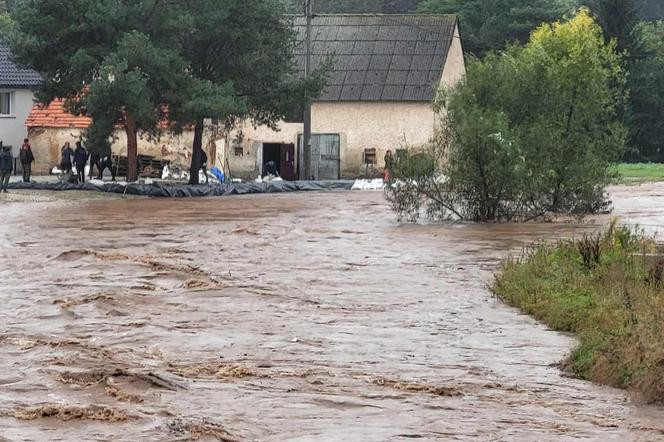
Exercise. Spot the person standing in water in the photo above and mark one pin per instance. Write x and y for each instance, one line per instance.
(80, 160)
(27, 158)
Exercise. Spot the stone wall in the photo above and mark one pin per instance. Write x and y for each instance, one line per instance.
(47, 143)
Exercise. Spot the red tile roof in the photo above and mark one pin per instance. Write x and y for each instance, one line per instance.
(55, 116)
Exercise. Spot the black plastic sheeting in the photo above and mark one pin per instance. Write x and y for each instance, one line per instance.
(164, 190)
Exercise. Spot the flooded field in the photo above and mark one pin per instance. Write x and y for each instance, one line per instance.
(300, 317)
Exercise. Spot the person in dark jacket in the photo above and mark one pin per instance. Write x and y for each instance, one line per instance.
(66, 158)
(27, 158)
(6, 167)
(95, 161)
(80, 160)
(101, 162)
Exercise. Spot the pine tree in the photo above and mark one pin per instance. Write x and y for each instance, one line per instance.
(240, 54)
(492, 24)
(619, 19)
(652, 10)
(112, 60)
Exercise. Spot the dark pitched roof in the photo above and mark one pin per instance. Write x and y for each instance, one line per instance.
(379, 57)
(13, 77)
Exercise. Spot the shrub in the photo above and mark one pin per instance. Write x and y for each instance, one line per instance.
(414, 166)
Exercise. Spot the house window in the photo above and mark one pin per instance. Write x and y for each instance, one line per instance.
(5, 103)
(238, 149)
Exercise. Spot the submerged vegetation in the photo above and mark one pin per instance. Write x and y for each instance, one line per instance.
(607, 289)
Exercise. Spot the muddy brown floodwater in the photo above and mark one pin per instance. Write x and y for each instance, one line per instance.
(300, 317)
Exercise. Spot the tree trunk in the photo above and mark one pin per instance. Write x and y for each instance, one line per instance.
(196, 155)
(132, 148)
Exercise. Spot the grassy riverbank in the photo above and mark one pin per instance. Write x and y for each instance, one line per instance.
(607, 289)
(640, 172)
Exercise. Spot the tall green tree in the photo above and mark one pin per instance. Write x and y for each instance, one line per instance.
(619, 19)
(113, 60)
(579, 110)
(241, 66)
(492, 24)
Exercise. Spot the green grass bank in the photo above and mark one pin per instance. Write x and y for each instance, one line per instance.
(643, 172)
(608, 290)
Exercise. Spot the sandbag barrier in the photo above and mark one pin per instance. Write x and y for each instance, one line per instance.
(163, 190)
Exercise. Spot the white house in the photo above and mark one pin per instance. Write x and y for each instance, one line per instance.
(16, 99)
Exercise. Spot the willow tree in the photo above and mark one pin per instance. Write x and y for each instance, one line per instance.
(112, 60)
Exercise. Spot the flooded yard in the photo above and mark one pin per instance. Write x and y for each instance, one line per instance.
(300, 317)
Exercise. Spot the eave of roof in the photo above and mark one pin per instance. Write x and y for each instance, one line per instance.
(55, 116)
(13, 77)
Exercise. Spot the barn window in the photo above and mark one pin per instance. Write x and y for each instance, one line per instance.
(238, 149)
(370, 156)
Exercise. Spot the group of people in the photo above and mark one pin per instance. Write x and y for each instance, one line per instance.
(79, 158)
(26, 158)
(70, 157)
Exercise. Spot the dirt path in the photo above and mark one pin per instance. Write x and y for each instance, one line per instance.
(290, 317)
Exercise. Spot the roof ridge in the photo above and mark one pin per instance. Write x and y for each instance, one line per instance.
(380, 14)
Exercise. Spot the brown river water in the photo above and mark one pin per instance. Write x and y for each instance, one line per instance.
(298, 317)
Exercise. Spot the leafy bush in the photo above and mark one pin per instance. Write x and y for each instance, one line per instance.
(615, 305)
(414, 166)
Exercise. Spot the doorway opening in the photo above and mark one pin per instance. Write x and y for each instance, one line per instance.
(271, 154)
(280, 157)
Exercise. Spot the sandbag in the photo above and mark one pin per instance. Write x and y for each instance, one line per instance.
(167, 190)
